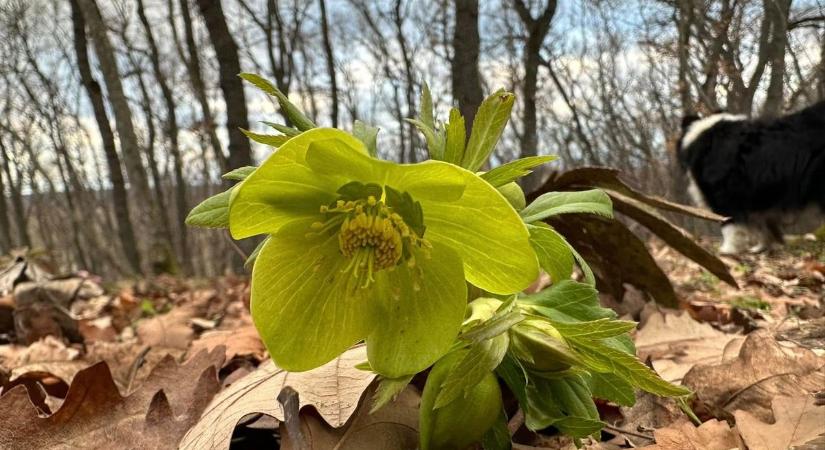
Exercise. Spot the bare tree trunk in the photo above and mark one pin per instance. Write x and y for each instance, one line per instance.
(120, 198)
(226, 51)
(117, 98)
(466, 79)
(333, 82)
(412, 134)
(5, 224)
(16, 200)
(778, 11)
(198, 85)
(821, 69)
(171, 131)
(537, 29)
(684, 14)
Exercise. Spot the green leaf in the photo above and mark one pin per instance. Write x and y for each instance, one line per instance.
(594, 201)
(513, 374)
(291, 111)
(388, 389)
(568, 301)
(356, 190)
(498, 437)
(239, 174)
(514, 195)
(435, 139)
(266, 139)
(594, 329)
(286, 130)
(589, 278)
(367, 134)
(565, 403)
(426, 108)
(489, 123)
(409, 209)
(489, 329)
(481, 358)
(627, 367)
(456, 138)
(610, 387)
(212, 212)
(250, 260)
(514, 170)
(553, 252)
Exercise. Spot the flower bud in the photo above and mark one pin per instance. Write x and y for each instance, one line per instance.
(540, 346)
(463, 421)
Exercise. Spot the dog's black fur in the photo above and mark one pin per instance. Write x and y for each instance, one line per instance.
(755, 169)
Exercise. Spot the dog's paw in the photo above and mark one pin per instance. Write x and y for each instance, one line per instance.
(757, 249)
(728, 250)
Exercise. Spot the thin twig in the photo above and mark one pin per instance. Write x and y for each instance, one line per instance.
(516, 422)
(629, 433)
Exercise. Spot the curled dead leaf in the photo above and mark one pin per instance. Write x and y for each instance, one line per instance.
(96, 415)
(763, 370)
(333, 389)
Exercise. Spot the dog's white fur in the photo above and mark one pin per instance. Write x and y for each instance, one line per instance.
(698, 127)
(734, 239)
(734, 236)
(695, 193)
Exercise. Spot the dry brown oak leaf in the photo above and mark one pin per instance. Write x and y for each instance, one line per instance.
(798, 421)
(675, 343)
(763, 370)
(333, 389)
(393, 427)
(95, 415)
(240, 341)
(711, 435)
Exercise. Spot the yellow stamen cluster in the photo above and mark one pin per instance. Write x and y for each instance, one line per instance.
(370, 234)
(378, 233)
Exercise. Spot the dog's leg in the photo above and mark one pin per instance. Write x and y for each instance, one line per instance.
(763, 240)
(734, 239)
(769, 236)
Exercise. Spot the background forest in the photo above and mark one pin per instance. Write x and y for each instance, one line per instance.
(119, 115)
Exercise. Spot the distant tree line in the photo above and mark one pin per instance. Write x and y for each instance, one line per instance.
(118, 116)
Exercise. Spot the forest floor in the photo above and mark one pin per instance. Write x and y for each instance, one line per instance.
(135, 363)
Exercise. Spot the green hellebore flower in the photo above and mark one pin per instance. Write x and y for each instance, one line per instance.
(365, 249)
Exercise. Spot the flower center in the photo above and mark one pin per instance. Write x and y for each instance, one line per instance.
(371, 234)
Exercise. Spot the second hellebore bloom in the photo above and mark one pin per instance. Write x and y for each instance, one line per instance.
(365, 249)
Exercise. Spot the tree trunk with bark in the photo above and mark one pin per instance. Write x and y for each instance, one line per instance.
(198, 85)
(537, 29)
(5, 224)
(120, 197)
(778, 11)
(171, 131)
(330, 59)
(466, 79)
(226, 51)
(117, 98)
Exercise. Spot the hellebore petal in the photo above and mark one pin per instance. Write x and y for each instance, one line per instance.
(284, 187)
(427, 180)
(304, 307)
(308, 311)
(417, 325)
(488, 235)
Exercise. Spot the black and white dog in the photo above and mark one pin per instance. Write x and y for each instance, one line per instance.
(761, 173)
